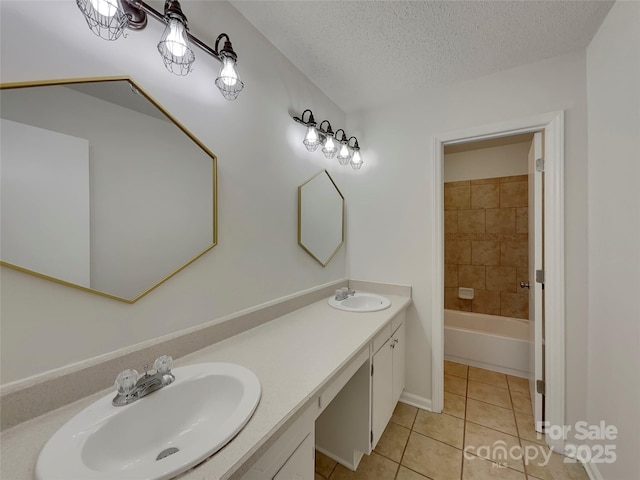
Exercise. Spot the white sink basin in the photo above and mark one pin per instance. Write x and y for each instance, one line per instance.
(361, 302)
(199, 413)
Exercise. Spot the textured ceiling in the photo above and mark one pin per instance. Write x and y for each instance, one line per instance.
(363, 53)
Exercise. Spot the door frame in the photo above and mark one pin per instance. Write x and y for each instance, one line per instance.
(552, 124)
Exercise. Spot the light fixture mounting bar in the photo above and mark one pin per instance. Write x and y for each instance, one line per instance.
(139, 4)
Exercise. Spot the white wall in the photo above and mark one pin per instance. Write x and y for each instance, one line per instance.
(613, 94)
(391, 201)
(491, 162)
(261, 162)
(45, 201)
(150, 213)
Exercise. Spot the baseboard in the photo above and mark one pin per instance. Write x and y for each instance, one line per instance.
(592, 471)
(416, 401)
(591, 468)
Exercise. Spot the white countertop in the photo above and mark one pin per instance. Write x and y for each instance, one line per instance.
(294, 357)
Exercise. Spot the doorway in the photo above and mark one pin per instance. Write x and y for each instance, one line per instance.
(552, 125)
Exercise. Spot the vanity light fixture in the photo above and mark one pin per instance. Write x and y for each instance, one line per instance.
(317, 135)
(344, 155)
(329, 147)
(356, 159)
(109, 18)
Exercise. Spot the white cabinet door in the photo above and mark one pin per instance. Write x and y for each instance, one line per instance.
(300, 465)
(399, 352)
(381, 391)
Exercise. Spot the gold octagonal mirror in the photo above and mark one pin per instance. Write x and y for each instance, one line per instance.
(320, 217)
(101, 188)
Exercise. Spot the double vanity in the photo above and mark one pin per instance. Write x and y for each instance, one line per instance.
(328, 379)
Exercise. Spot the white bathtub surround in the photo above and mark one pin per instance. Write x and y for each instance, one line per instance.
(294, 357)
(487, 341)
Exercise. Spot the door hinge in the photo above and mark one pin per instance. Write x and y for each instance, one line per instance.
(371, 437)
(540, 276)
(540, 387)
(372, 369)
(540, 165)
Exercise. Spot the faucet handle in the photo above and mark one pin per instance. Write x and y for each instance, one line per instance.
(126, 381)
(163, 364)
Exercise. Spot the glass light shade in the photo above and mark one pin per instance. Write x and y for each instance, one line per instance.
(311, 139)
(329, 148)
(356, 160)
(175, 49)
(105, 18)
(344, 155)
(228, 81)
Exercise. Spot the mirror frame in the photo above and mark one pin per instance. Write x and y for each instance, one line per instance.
(324, 264)
(172, 119)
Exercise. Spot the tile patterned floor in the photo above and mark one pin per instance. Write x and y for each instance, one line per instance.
(485, 413)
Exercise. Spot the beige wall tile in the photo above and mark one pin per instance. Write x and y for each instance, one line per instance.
(485, 252)
(486, 302)
(461, 183)
(486, 181)
(515, 305)
(501, 279)
(452, 302)
(450, 221)
(514, 178)
(450, 275)
(522, 275)
(514, 254)
(471, 221)
(514, 194)
(485, 196)
(471, 276)
(457, 252)
(457, 198)
(501, 220)
(522, 220)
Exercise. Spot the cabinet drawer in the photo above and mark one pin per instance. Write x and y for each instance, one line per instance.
(381, 338)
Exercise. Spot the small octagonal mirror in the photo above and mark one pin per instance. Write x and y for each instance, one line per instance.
(320, 217)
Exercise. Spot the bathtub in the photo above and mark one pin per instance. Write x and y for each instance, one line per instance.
(487, 341)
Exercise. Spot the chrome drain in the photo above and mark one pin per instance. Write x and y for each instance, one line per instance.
(166, 453)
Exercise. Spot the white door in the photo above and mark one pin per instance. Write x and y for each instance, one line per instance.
(536, 285)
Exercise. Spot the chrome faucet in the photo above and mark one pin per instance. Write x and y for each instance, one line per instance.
(343, 293)
(132, 387)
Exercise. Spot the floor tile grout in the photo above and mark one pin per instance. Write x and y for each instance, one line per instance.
(465, 422)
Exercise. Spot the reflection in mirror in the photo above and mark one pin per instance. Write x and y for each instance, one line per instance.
(320, 217)
(101, 189)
